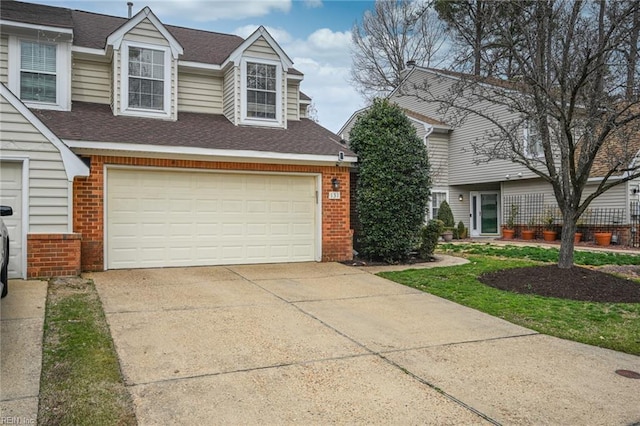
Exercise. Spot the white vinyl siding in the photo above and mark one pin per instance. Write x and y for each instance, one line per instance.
(616, 197)
(438, 149)
(4, 59)
(231, 96)
(48, 185)
(199, 93)
(462, 169)
(261, 49)
(293, 101)
(146, 32)
(158, 218)
(91, 82)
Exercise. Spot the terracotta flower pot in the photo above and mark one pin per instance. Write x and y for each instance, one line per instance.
(603, 238)
(577, 237)
(508, 234)
(549, 235)
(528, 234)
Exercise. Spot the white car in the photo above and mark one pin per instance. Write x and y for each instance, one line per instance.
(4, 250)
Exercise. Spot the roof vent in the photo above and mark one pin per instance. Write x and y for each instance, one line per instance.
(129, 7)
(411, 63)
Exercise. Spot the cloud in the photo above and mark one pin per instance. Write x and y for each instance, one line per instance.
(213, 10)
(313, 4)
(281, 36)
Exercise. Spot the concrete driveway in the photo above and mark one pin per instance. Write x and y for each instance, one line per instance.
(325, 343)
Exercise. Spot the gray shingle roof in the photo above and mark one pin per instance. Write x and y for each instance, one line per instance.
(95, 122)
(92, 29)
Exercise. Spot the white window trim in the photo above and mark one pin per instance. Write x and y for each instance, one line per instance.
(63, 73)
(266, 122)
(525, 146)
(124, 82)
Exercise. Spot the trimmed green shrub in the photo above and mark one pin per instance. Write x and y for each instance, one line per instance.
(461, 230)
(429, 235)
(393, 181)
(445, 215)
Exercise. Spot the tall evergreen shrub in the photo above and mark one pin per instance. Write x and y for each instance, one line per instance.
(393, 183)
(446, 215)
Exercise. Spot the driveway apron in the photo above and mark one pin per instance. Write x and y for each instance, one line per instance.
(22, 321)
(319, 343)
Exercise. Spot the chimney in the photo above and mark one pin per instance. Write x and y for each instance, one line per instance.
(130, 7)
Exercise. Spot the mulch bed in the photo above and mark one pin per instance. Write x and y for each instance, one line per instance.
(576, 283)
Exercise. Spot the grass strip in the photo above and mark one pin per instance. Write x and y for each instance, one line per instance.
(81, 382)
(609, 325)
(541, 254)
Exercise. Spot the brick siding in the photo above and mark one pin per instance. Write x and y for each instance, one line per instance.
(89, 194)
(53, 255)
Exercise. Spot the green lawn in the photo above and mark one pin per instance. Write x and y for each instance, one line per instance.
(609, 325)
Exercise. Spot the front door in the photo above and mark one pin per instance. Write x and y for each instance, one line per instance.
(484, 213)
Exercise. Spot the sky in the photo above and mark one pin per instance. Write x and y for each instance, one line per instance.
(316, 34)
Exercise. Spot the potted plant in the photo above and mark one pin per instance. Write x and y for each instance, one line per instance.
(508, 231)
(603, 238)
(446, 216)
(529, 233)
(578, 235)
(549, 233)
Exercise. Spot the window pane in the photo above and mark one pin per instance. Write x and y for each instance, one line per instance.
(37, 57)
(38, 87)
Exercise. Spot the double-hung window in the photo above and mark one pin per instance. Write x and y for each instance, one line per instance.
(39, 72)
(261, 92)
(146, 80)
(436, 199)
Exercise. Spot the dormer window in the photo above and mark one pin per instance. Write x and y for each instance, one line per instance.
(261, 92)
(146, 86)
(39, 72)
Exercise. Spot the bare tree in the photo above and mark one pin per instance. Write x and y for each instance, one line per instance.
(474, 27)
(389, 36)
(570, 94)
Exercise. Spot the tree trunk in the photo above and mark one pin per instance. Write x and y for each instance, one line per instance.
(477, 46)
(565, 260)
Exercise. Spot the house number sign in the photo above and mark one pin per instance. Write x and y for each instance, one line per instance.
(334, 195)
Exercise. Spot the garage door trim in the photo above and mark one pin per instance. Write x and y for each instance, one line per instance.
(317, 182)
(24, 217)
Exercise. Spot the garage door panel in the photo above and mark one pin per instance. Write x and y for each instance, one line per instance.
(197, 218)
(11, 195)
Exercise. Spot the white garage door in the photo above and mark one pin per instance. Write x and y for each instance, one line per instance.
(175, 218)
(11, 195)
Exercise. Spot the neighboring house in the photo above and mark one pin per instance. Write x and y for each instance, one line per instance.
(480, 195)
(128, 143)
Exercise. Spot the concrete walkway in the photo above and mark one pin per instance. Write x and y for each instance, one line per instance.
(327, 343)
(21, 323)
